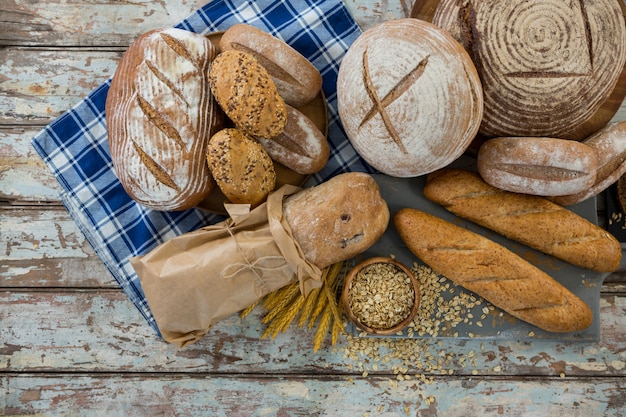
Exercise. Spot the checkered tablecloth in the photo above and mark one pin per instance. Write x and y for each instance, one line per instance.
(76, 150)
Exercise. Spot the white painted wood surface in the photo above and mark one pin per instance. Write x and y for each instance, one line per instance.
(71, 343)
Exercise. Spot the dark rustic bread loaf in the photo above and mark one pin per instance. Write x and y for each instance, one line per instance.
(337, 219)
(539, 166)
(532, 220)
(493, 272)
(409, 97)
(241, 167)
(160, 115)
(301, 147)
(297, 80)
(247, 94)
(609, 143)
(547, 67)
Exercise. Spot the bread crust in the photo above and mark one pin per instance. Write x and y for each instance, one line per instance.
(539, 166)
(247, 94)
(301, 147)
(241, 167)
(493, 272)
(337, 219)
(296, 78)
(532, 220)
(160, 115)
(547, 67)
(609, 143)
(409, 97)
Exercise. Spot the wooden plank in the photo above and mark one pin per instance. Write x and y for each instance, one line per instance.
(101, 331)
(255, 396)
(80, 23)
(24, 177)
(44, 83)
(43, 247)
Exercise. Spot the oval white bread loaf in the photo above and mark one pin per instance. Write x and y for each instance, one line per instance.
(493, 272)
(247, 94)
(609, 143)
(532, 220)
(547, 67)
(539, 166)
(241, 167)
(160, 115)
(337, 219)
(297, 80)
(301, 146)
(409, 97)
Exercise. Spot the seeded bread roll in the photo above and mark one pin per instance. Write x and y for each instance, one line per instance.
(531, 220)
(302, 147)
(539, 166)
(409, 97)
(493, 272)
(297, 80)
(247, 94)
(337, 219)
(609, 143)
(241, 167)
(160, 115)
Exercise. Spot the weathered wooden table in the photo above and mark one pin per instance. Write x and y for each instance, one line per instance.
(71, 343)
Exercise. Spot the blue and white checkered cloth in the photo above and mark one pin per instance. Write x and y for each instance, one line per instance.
(76, 150)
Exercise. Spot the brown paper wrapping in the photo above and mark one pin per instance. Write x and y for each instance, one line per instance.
(198, 278)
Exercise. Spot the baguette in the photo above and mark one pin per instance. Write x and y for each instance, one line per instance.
(531, 220)
(538, 166)
(493, 272)
(609, 144)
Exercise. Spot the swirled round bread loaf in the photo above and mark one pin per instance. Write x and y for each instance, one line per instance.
(409, 97)
(160, 115)
(547, 67)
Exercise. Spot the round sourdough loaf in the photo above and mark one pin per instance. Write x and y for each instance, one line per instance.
(160, 115)
(409, 97)
(547, 66)
(296, 79)
(241, 167)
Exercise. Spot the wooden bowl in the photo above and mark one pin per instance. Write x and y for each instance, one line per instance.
(346, 295)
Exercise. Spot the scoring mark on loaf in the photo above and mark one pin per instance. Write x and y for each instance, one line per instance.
(180, 48)
(155, 169)
(379, 106)
(160, 122)
(163, 78)
(275, 70)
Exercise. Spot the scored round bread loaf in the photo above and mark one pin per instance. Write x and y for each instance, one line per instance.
(301, 147)
(241, 167)
(297, 80)
(547, 66)
(247, 94)
(539, 166)
(409, 97)
(160, 115)
(337, 219)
